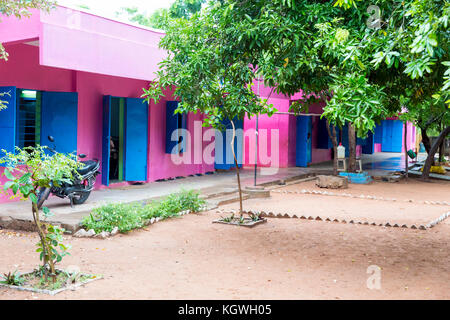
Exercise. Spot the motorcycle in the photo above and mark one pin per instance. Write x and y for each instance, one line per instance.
(79, 189)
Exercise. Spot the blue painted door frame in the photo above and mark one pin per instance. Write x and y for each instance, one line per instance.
(136, 140)
(304, 141)
(392, 140)
(106, 139)
(224, 160)
(173, 122)
(8, 120)
(59, 118)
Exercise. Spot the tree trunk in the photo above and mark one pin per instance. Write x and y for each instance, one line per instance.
(434, 148)
(406, 150)
(332, 134)
(442, 151)
(237, 170)
(426, 140)
(45, 249)
(351, 148)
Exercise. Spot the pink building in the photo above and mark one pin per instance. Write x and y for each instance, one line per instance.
(79, 77)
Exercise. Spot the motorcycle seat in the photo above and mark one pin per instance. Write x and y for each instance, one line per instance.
(88, 166)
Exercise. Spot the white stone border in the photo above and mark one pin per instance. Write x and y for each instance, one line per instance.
(52, 292)
(329, 219)
(82, 233)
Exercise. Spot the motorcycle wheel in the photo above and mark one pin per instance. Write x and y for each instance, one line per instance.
(42, 196)
(81, 198)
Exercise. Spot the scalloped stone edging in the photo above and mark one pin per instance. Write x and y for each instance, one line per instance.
(362, 196)
(271, 214)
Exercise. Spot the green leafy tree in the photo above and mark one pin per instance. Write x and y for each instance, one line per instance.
(329, 50)
(180, 9)
(205, 75)
(28, 171)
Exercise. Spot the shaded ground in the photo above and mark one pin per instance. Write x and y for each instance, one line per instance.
(191, 258)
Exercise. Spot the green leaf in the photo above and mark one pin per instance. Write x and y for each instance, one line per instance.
(8, 174)
(33, 198)
(8, 185)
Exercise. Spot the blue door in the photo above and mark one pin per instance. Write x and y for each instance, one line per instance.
(175, 122)
(106, 139)
(59, 118)
(368, 144)
(323, 138)
(392, 136)
(304, 144)
(224, 159)
(8, 120)
(136, 140)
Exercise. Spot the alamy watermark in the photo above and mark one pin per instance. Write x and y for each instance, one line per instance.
(213, 146)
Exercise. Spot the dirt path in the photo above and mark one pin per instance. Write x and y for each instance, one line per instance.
(190, 258)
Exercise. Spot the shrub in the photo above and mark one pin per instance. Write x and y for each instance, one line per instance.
(129, 216)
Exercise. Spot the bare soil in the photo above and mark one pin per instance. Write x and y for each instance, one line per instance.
(192, 258)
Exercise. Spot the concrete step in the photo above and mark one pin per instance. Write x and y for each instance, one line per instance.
(218, 193)
(226, 199)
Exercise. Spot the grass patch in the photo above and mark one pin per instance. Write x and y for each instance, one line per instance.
(129, 216)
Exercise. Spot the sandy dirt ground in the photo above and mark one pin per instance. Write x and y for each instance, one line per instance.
(400, 212)
(191, 258)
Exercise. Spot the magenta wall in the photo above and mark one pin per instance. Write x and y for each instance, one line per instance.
(287, 128)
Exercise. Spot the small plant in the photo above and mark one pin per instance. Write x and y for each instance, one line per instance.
(12, 279)
(255, 216)
(129, 216)
(56, 249)
(27, 171)
(228, 219)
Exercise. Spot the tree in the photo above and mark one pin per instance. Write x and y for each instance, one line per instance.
(206, 75)
(415, 48)
(27, 171)
(160, 18)
(18, 9)
(366, 68)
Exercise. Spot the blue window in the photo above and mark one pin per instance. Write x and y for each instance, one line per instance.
(31, 116)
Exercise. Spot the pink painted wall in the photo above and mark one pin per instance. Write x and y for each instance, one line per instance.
(14, 29)
(277, 123)
(76, 40)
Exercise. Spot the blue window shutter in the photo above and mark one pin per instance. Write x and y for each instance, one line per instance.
(386, 145)
(303, 143)
(397, 135)
(378, 135)
(368, 147)
(183, 126)
(8, 120)
(59, 118)
(171, 125)
(224, 160)
(106, 139)
(239, 142)
(136, 140)
(323, 139)
(344, 135)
